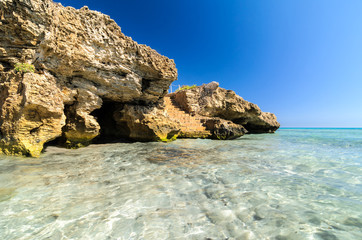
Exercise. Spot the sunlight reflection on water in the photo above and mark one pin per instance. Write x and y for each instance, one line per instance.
(289, 185)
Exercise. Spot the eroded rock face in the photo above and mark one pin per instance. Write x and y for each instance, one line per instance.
(84, 48)
(223, 130)
(212, 101)
(82, 127)
(31, 113)
(147, 123)
(82, 59)
(92, 80)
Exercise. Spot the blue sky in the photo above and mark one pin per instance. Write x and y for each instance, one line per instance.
(300, 59)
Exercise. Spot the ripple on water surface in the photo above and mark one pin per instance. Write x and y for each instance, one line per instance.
(295, 184)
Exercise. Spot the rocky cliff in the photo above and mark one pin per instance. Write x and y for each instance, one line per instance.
(92, 82)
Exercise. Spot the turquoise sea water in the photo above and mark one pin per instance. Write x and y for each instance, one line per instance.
(294, 184)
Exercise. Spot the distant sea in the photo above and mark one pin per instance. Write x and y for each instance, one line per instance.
(294, 184)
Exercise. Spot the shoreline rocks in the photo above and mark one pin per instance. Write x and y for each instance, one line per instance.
(92, 82)
(30, 113)
(82, 59)
(209, 100)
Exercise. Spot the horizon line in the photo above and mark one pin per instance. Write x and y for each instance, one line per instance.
(326, 127)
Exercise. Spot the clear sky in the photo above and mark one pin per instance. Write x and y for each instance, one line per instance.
(300, 59)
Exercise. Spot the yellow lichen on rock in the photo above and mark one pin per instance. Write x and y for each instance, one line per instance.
(147, 123)
(81, 58)
(32, 113)
(81, 127)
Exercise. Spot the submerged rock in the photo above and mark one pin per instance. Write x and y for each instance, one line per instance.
(85, 80)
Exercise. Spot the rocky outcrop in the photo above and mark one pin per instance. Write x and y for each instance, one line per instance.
(146, 123)
(82, 59)
(193, 125)
(210, 100)
(222, 129)
(190, 125)
(30, 113)
(83, 48)
(81, 127)
(92, 82)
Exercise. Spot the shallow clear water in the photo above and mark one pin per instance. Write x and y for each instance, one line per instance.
(294, 184)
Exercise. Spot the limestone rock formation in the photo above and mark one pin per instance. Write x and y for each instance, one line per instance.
(146, 123)
(81, 127)
(193, 125)
(190, 126)
(30, 113)
(222, 129)
(92, 82)
(82, 59)
(210, 100)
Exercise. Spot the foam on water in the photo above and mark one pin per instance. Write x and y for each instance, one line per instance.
(294, 184)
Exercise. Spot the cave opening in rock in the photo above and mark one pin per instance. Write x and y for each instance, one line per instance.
(6, 66)
(110, 130)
